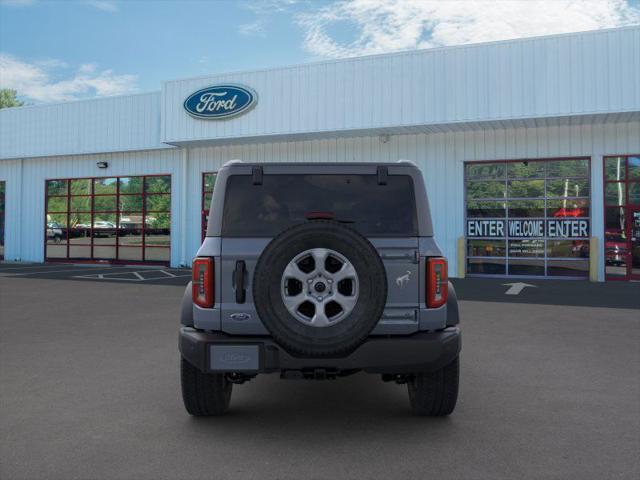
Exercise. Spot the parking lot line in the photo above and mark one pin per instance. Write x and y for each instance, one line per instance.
(119, 276)
(40, 272)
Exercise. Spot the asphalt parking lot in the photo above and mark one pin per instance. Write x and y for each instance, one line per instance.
(90, 390)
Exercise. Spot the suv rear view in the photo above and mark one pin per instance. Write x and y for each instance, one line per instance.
(318, 271)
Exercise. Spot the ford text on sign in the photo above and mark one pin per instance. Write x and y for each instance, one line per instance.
(220, 101)
(535, 228)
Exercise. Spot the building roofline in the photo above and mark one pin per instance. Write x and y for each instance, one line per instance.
(334, 61)
(414, 51)
(81, 100)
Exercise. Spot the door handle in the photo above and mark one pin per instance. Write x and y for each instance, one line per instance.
(238, 281)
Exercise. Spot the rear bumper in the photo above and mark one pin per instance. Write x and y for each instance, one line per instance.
(420, 352)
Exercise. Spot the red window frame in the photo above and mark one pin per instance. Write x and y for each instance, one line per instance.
(204, 208)
(117, 212)
(628, 209)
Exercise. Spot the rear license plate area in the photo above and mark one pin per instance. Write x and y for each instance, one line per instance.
(234, 358)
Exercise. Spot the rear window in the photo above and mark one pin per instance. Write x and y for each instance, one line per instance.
(286, 200)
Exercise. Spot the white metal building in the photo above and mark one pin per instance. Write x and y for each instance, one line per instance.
(554, 120)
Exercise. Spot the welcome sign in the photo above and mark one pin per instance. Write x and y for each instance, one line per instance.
(219, 102)
(525, 228)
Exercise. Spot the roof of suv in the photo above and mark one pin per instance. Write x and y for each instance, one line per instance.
(240, 163)
(237, 167)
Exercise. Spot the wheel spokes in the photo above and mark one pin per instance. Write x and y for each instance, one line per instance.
(346, 271)
(346, 302)
(319, 257)
(293, 271)
(320, 318)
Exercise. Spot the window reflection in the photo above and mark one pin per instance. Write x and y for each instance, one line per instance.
(614, 193)
(568, 168)
(56, 187)
(108, 218)
(633, 168)
(526, 248)
(568, 188)
(615, 168)
(526, 197)
(105, 185)
(526, 208)
(490, 266)
(526, 169)
(568, 248)
(526, 188)
(526, 267)
(81, 187)
(105, 203)
(486, 248)
(568, 208)
(634, 193)
(80, 204)
(485, 171)
(485, 209)
(483, 189)
(568, 268)
(131, 185)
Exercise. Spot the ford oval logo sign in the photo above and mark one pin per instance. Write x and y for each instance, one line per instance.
(220, 101)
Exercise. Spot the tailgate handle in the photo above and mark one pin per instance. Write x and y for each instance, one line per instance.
(238, 281)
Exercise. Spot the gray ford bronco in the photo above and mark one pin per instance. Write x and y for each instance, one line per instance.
(315, 271)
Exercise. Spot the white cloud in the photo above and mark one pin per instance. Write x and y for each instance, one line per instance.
(269, 6)
(104, 5)
(389, 25)
(36, 81)
(252, 29)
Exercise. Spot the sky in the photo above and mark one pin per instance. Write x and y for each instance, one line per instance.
(59, 50)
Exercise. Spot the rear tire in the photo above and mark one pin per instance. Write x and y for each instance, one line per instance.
(435, 394)
(204, 394)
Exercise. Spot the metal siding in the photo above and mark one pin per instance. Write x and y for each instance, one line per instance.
(557, 76)
(441, 157)
(90, 126)
(11, 174)
(31, 191)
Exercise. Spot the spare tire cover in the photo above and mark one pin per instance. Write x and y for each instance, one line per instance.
(320, 288)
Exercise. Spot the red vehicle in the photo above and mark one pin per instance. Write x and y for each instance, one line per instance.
(615, 248)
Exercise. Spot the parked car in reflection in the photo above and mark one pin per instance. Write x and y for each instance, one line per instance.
(615, 250)
(54, 232)
(103, 228)
(570, 212)
(580, 248)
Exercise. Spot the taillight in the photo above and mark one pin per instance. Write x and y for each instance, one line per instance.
(437, 282)
(202, 282)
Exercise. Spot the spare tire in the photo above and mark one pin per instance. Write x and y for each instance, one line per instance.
(320, 288)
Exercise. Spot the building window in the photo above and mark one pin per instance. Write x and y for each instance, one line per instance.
(622, 217)
(208, 181)
(2, 211)
(528, 218)
(118, 219)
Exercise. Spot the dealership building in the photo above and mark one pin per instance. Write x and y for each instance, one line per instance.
(530, 150)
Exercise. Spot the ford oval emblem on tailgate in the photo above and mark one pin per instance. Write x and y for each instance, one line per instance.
(218, 102)
(240, 316)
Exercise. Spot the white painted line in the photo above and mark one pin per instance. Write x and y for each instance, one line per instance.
(162, 278)
(118, 276)
(516, 288)
(15, 274)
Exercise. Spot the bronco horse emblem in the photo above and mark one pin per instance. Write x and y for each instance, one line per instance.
(404, 279)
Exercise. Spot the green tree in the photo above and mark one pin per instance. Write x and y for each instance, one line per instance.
(8, 98)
